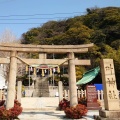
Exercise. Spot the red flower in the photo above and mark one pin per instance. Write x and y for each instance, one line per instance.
(11, 113)
(76, 112)
(64, 104)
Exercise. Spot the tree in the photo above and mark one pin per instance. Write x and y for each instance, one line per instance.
(100, 26)
(79, 72)
(7, 37)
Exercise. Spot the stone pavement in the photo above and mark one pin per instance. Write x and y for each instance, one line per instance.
(45, 109)
(51, 115)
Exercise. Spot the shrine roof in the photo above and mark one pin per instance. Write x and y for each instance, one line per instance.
(89, 76)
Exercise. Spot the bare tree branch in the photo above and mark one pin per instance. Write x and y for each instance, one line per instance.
(8, 37)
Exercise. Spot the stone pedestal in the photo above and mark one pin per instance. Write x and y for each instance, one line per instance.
(93, 106)
(109, 114)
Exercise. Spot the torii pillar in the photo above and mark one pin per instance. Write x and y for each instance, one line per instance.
(12, 80)
(42, 55)
(72, 80)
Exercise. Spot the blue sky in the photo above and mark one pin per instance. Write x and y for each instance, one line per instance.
(19, 16)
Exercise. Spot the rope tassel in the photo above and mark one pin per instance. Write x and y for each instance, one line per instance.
(50, 71)
(26, 69)
(43, 73)
(58, 69)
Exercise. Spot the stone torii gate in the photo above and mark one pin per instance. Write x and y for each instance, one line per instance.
(43, 50)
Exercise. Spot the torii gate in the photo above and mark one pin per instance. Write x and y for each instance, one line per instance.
(43, 50)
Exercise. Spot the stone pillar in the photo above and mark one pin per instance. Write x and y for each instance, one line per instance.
(34, 72)
(19, 90)
(42, 56)
(68, 95)
(109, 85)
(111, 98)
(12, 80)
(26, 69)
(0, 94)
(60, 90)
(72, 80)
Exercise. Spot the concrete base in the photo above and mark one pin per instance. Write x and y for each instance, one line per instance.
(101, 118)
(109, 119)
(109, 115)
(93, 106)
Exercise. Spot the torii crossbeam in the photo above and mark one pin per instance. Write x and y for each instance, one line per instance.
(43, 49)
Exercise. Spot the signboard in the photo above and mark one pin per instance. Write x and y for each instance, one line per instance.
(91, 93)
(92, 103)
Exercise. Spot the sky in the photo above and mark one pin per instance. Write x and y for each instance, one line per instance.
(19, 16)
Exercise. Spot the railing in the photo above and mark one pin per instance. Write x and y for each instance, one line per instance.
(82, 93)
(2, 95)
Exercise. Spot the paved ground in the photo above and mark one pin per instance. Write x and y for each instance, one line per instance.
(45, 109)
(51, 115)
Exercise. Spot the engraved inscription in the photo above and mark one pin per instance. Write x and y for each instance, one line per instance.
(112, 94)
(109, 68)
(111, 82)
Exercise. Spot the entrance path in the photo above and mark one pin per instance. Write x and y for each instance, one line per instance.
(44, 108)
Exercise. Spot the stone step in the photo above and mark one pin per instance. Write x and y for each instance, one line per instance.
(42, 88)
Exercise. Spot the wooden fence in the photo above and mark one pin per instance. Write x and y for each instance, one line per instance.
(2, 95)
(82, 93)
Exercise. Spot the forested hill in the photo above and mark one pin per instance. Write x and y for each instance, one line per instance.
(100, 26)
